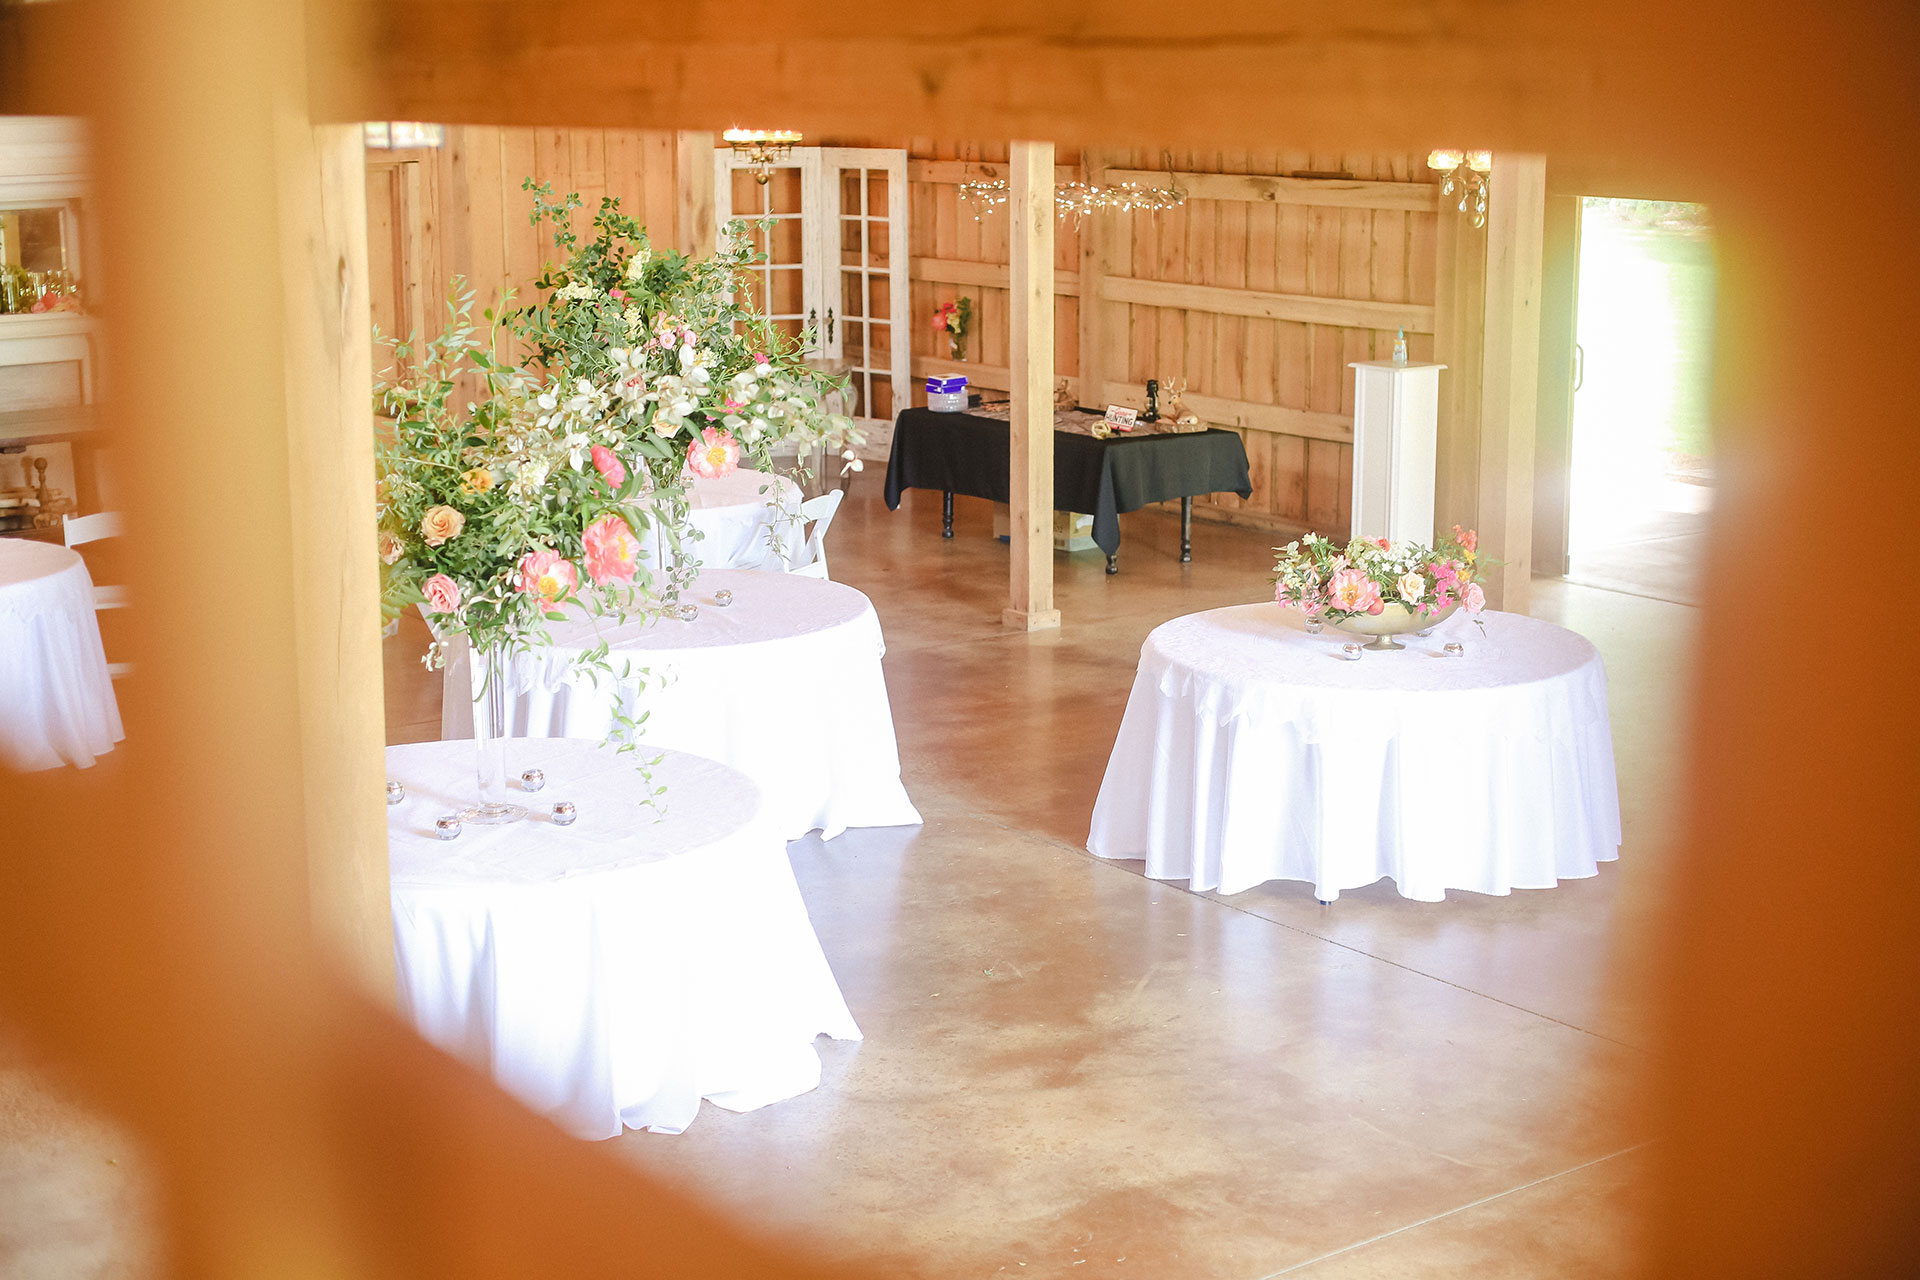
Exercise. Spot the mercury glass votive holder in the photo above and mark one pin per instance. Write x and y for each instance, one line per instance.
(1314, 626)
(395, 793)
(533, 779)
(1350, 651)
(1454, 649)
(564, 813)
(723, 597)
(448, 827)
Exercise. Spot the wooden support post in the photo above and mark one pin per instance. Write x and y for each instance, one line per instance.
(1460, 266)
(1030, 300)
(1510, 371)
(698, 235)
(336, 587)
(1095, 239)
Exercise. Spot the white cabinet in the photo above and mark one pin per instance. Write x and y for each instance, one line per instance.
(1396, 410)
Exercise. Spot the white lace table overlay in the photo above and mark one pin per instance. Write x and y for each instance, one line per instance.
(613, 973)
(1252, 750)
(57, 704)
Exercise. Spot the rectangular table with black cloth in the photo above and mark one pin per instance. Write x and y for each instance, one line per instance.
(967, 453)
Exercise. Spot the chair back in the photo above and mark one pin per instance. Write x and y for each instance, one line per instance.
(819, 511)
(80, 530)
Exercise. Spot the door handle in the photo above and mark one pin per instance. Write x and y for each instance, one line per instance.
(1579, 365)
(813, 317)
(829, 324)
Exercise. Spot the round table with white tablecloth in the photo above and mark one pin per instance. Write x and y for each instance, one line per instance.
(56, 695)
(746, 520)
(614, 972)
(784, 684)
(1252, 750)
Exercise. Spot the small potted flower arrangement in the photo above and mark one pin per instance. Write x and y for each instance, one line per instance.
(1377, 588)
(952, 319)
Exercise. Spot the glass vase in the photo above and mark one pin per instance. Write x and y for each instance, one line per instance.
(490, 727)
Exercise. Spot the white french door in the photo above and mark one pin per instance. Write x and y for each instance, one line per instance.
(837, 260)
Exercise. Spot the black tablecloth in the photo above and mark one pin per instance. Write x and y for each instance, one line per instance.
(1101, 478)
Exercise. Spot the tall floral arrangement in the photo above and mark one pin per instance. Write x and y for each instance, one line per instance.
(1367, 575)
(564, 481)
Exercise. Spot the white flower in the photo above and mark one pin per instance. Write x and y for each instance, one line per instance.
(578, 291)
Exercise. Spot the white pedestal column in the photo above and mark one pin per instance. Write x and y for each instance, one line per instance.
(1396, 409)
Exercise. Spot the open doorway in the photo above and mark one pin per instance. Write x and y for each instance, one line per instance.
(1641, 470)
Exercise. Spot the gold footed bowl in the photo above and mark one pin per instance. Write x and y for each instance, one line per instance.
(1394, 620)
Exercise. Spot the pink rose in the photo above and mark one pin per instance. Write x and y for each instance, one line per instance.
(611, 469)
(612, 552)
(1474, 599)
(442, 592)
(391, 548)
(715, 454)
(548, 574)
(1352, 591)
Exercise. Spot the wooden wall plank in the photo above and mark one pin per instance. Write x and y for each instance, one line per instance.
(1325, 193)
(1332, 310)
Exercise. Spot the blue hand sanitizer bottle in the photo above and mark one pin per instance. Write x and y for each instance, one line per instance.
(1400, 347)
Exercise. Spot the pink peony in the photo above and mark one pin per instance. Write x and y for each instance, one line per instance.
(611, 469)
(1352, 591)
(716, 453)
(1474, 599)
(612, 552)
(442, 593)
(547, 574)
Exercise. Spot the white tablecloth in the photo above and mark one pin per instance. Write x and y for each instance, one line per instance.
(1252, 751)
(746, 520)
(56, 698)
(617, 971)
(784, 684)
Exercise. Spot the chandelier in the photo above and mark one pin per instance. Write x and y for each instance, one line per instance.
(1078, 199)
(1466, 174)
(760, 148)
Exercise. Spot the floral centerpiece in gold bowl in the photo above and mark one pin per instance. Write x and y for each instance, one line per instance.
(1373, 587)
(554, 486)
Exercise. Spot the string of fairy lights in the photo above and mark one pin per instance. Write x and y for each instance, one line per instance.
(1078, 199)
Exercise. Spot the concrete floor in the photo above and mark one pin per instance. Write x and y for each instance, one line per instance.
(1072, 1070)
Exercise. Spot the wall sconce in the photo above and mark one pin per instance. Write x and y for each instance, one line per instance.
(1466, 174)
(760, 148)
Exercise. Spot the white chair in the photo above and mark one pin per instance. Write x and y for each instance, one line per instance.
(80, 530)
(813, 560)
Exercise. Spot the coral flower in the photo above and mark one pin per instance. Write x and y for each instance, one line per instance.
(442, 593)
(612, 552)
(1468, 539)
(1352, 591)
(611, 469)
(547, 574)
(716, 453)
